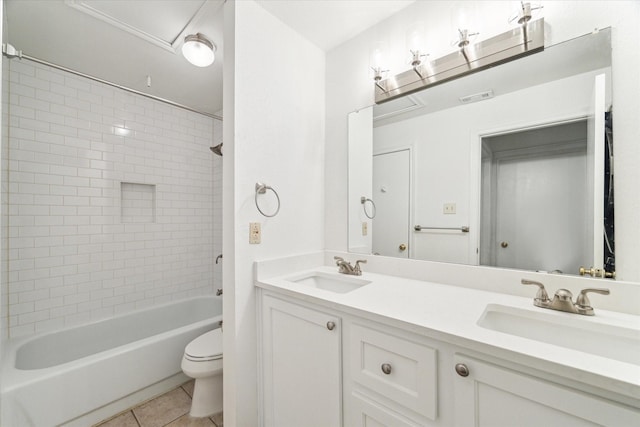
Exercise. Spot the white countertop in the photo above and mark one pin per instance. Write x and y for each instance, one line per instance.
(451, 313)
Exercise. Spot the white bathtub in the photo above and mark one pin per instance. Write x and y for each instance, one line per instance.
(58, 377)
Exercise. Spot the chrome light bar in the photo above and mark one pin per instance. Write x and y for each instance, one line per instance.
(508, 46)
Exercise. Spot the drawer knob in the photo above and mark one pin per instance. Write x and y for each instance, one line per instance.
(386, 368)
(331, 326)
(462, 370)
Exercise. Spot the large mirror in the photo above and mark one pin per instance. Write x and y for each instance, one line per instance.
(518, 179)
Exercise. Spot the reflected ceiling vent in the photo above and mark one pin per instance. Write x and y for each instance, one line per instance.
(482, 96)
(395, 107)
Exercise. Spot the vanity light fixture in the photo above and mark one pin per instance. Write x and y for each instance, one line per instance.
(376, 63)
(199, 50)
(524, 40)
(464, 38)
(415, 44)
(522, 16)
(524, 13)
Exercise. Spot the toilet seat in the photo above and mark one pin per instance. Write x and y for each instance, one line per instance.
(206, 347)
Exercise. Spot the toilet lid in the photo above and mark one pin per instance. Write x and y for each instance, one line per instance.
(206, 347)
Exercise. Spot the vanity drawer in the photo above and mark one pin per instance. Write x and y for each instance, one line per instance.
(398, 369)
(368, 413)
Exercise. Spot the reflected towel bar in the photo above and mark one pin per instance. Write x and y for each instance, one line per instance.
(464, 229)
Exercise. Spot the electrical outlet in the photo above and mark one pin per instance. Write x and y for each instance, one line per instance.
(364, 228)
(449, 208)
(254, 233)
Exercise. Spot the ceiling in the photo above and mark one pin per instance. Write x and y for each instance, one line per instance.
(132, 42)
(329, 23)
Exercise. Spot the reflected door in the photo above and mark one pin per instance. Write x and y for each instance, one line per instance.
(540, 212)
(391, 184)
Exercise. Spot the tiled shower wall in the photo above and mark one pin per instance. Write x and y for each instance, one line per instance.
(74, 145)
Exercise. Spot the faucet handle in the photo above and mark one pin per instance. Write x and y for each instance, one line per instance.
(541, 295)
(357, 266)
(338, 259)
(582, 299)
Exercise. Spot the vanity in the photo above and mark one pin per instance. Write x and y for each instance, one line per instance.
(396, 350)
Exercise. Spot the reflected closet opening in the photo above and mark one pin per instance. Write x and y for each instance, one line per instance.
(535, 205)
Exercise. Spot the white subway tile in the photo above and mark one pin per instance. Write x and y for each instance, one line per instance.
(66, 170)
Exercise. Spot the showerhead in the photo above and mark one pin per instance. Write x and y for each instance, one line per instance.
(217, 149)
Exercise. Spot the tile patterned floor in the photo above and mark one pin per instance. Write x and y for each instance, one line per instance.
(169, 410)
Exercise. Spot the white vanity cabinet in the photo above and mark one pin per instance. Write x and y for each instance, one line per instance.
(493, 396)
(332, 367)
(390, 377)
(300, 364)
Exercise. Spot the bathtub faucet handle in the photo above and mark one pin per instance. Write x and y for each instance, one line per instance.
(219, 292)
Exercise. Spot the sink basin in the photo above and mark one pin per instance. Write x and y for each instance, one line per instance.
(330, 282)
(577, 333)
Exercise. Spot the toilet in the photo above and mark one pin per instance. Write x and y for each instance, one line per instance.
(202, 360)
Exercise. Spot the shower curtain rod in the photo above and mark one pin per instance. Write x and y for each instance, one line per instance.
(21, 55)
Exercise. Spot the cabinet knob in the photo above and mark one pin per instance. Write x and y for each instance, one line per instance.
(331, 326)
(462, 370)
(386, 368)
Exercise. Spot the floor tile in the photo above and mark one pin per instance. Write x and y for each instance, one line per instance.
(123, 420)
(164, 409)
(187, 421)
(217, 419)
(188, 387)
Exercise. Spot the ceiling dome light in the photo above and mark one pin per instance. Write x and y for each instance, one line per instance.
(198, 50)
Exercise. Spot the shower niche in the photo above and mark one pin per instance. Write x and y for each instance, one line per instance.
(138, 203)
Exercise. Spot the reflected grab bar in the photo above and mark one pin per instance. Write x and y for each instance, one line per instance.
(464, 228)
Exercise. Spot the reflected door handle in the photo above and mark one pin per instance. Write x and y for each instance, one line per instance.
(504, 244)
(402, 247)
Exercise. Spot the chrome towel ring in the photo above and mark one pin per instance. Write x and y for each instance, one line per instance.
(364, 200)
(262, 188)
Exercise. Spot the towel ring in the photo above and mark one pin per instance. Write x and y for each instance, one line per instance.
(262, 189)
(364, 200)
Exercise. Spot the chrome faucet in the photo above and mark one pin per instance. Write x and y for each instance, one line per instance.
(562, 300)
(345, 267)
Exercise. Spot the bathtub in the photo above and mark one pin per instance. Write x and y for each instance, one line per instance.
(62, 376)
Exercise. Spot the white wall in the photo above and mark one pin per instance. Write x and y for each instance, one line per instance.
(80, 248)
(274, 133)
(349, 88)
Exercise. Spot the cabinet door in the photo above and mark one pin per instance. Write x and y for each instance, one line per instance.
(300, 366)
(492, 396)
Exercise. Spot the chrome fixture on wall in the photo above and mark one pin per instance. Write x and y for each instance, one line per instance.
(526, 39)
(217, 149)
(364, 200)
(262, 188)
(524, 13)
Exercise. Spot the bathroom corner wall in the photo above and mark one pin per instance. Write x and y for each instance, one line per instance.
(274, 125)
(81, 248)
